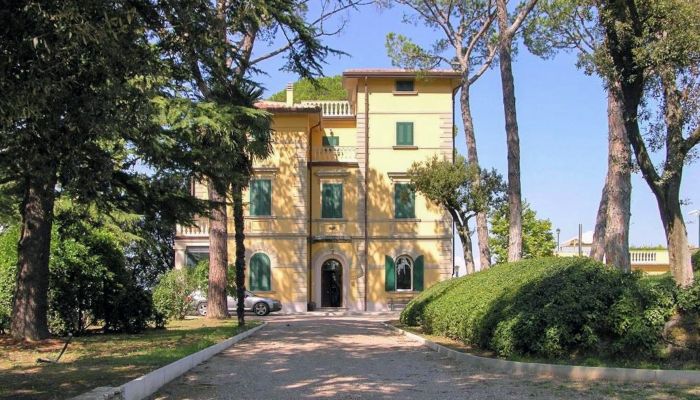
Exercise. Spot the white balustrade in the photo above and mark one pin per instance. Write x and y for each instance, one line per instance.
(334, 153)
(200, 229)
(332, 108)
(642, 257)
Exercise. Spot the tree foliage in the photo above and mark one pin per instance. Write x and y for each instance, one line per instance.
(538, 240)
(76, 115)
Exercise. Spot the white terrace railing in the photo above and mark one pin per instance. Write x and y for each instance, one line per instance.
(643, 257)
(334, 153)
(200, 229)
(332, 108)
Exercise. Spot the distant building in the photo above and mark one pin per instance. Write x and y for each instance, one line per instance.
(652, 260)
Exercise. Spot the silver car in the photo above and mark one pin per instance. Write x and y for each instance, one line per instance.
(258, 305)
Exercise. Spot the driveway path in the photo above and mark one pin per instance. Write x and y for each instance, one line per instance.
(358, 358)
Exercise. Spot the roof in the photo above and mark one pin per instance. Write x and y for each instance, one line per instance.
(281, 107)
(586, 240)
(400, 72)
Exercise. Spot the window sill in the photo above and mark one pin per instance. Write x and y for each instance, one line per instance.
(406, 219)
(405, 147)
(404, 93)
(261, 217)
(341, 219)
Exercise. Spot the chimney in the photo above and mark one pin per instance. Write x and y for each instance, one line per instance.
(290, 94)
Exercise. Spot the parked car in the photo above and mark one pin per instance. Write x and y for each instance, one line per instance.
(257, 304)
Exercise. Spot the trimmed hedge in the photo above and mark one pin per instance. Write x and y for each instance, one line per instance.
(549, 307)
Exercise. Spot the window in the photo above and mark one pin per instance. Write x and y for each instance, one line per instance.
(332, 200)
(261, 197)
(331, 141)
(404, 133)
(405, 86)
(403, 273)
(259, 272)
(195, 255)
(404, 269)
(404, 201)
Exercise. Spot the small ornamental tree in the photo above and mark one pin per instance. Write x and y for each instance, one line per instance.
(462, 189)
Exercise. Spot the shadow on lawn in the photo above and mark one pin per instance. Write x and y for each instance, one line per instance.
(104, 360)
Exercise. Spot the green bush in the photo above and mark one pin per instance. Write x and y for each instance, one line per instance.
(548, 307)
(88, 280)
(695, 260)
(689, 298)
(8, 272)
(171, 294)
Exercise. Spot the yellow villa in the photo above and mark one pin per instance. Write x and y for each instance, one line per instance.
(330, 220)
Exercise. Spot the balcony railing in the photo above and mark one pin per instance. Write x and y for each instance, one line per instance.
(200, 229)
(334, 153)
(332, 108)
(649, 257)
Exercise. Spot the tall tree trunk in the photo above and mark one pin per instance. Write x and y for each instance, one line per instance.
(482, 229)
(30, 302)
(676, 234)
(218, 255)
(466, 240)
(619, 187)
(515, 228)
(598, 245)
(240, 251)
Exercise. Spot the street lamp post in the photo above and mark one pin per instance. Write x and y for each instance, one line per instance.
(558, 248)
(697, 212)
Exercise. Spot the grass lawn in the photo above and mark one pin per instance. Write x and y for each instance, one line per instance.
(102, 359)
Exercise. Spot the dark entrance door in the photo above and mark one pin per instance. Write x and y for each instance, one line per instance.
(331, 284)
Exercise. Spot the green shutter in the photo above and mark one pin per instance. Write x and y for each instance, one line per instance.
(332, 200)
(418, 274)
(404, 201)
(389, 274)
(264, 274)
(404, 133)
(260, 272)
(261, 197)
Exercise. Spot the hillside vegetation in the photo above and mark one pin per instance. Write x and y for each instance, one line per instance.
(554, 308)
(325, 88)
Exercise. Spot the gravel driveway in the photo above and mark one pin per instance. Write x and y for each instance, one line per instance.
(358, 358)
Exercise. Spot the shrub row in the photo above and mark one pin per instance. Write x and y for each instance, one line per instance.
(171, 296)
(552, 307)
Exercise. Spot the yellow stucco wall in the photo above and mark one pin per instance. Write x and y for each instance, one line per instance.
(297, 172)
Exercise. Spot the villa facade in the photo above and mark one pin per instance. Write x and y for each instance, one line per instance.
(330, 218)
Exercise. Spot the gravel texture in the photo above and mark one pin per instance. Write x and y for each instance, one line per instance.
(358, 358)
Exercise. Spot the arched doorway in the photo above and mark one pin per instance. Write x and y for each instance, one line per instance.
(332, 283)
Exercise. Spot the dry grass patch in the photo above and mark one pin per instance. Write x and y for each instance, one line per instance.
(102, 359)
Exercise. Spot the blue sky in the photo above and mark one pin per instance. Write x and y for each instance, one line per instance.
(562, 119)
